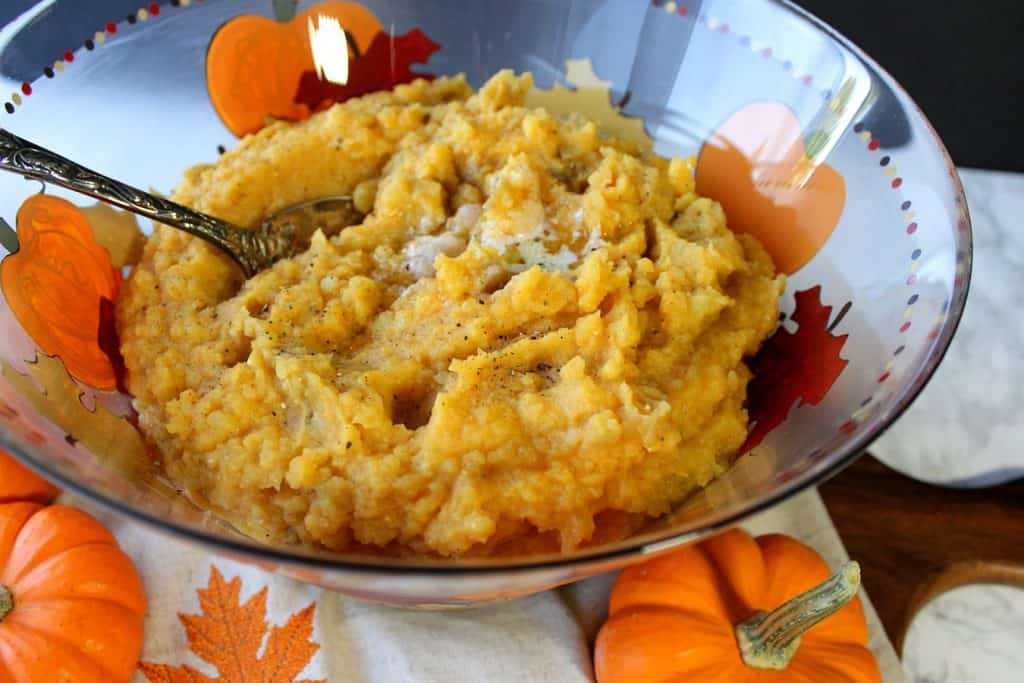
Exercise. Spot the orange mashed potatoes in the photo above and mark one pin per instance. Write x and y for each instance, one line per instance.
(534, 324)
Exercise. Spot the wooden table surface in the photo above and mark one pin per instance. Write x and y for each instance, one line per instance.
(915, 541)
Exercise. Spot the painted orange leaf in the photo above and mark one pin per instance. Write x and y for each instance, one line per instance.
(56, 285)
(228, 635)
(794, 368)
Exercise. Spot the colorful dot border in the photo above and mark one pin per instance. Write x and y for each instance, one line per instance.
(895, 182)
(763, 50)
(152, 10)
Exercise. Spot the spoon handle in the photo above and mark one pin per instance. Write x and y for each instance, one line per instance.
(251, 249)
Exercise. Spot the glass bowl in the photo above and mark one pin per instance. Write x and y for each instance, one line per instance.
(804, 139)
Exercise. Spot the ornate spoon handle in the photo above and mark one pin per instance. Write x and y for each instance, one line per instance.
(253, 250)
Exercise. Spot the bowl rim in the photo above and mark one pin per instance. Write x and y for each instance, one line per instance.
(244, 548)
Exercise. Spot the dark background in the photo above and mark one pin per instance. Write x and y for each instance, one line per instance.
(962, 62)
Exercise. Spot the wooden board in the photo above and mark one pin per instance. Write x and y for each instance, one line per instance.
(915, 541)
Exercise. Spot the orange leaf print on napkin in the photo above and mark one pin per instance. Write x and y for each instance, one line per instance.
(228, 636)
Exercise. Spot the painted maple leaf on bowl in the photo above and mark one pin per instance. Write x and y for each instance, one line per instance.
(794, 368)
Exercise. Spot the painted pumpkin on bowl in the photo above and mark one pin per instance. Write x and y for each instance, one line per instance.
(756, 166)
(61, 286)
(254, 64)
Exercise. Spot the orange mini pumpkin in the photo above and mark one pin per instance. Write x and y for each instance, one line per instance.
(254, 64)
(735, 609)
(56, 284)
(18, 482)
(71, 602)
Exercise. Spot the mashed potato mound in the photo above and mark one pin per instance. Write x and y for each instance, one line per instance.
(533, 325)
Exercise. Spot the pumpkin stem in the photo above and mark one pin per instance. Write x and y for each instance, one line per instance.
(768, 640)
(6, 601)
(284, 10)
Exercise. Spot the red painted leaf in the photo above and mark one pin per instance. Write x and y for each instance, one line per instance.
(108, 342)
(384, 65)
(793, 368)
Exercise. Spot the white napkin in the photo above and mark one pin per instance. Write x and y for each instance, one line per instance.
(545, 637)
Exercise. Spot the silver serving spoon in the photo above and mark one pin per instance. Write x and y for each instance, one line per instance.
(283, 234)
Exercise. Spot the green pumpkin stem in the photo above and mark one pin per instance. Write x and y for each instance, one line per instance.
(768, 640)
(284, 10)
(6, 601)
